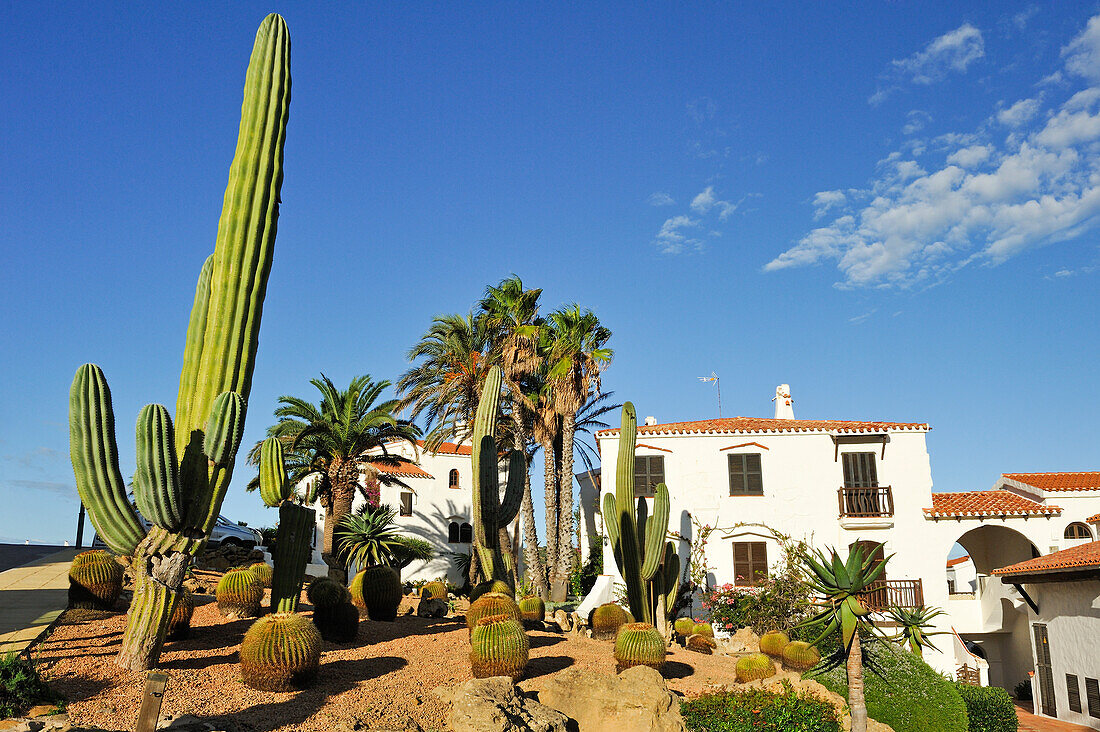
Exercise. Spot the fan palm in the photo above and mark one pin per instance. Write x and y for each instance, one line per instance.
(915, 625)
(840, 586)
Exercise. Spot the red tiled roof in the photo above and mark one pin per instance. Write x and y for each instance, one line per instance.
(1094, 519)
(762, 424)
(1083, 556)
(986, 503)
(958, 560)
(403, 469)
(1085, 481)
(449, 448)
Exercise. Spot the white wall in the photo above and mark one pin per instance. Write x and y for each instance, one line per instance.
(1071, 612)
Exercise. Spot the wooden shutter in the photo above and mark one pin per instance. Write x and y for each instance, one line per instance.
(860, 470)
(406, 503)
(465, 533)
(1092, 693)
(745, 476)
(1045, 673)
(750, 562)
(1073, 691)
(737, 475)
(649, 470)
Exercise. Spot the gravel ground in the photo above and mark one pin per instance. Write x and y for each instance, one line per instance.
(380, 681)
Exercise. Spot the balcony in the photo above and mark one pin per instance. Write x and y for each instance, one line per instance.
(885, 594)
(866, 508)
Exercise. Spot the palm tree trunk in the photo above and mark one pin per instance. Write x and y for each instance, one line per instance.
(550, 479)
(344, 477)
(559, 582)
(566, 555)
(535, 569)
(857, 706)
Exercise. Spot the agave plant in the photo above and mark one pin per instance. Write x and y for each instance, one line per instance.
(915, 624)
(840, 586)
(368, 537)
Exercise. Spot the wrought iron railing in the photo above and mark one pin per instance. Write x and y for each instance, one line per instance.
(866, 502)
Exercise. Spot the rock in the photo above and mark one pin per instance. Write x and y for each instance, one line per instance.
(562, 620)
(432, 608)
(743, 641)
(636, 699)
(444, 694)
(23, 725)
(497, 705)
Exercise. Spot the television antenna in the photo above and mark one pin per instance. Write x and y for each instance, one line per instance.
(718, 385)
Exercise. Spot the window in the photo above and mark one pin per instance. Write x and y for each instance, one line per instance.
(859, 470)
(406, 503)
(1092, 693)
(1078, 531)
(1073, 691)
(745, 476)
(951, 587)
(452, 478)
(750, 563)
(465, 534)
(648, 472)
(452, 533)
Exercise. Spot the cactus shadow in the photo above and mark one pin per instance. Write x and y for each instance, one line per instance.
(547, 665)
(375, 631)
(676, 670)
(542, 641)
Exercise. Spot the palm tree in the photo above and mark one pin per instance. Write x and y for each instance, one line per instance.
(511, 315)
(334, 438)
(840, 585)
(577, 356)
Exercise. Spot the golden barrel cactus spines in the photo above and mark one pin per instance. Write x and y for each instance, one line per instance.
(639, 644)
(156, 480)
(274, 483)
(378, 590)
(700, 644)
(280, 652)
(239, 594)
(337, 623)
(497, 586)
(435, 590)
(753, 667)
(606, 620)
(492, 603)
(684, 627)
(498, 647)
(327, 592)
(800, 655)
(773, 643)
(263, 572)
(533, 608)
(92, 555)
(179, 626)
(703, 629)
(95, 583)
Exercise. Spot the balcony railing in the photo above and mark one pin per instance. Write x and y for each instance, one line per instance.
(885, 594)
(866, 502)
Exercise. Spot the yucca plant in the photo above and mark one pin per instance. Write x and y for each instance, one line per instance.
(840, 586)
(368, 536)
(915, 624)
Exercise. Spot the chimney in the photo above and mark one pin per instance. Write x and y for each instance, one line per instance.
(784, 408)
(650, 421)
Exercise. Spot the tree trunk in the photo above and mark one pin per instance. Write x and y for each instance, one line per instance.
(566, 552)
(156, 587)
(550, 480)
(475, 568)
(535, 569)
(559, 582)
(344, 479)
(857, 706)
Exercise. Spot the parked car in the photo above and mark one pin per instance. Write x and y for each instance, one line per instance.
(224, 532)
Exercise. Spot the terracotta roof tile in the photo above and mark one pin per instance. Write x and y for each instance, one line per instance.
(1094, 519)
(986, 503)
(730, 425)
(958, 560)
(404, 469)
(1084, 481)
(1083, 556)
(449, 448)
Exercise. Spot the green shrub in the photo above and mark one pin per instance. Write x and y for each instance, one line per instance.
(21, 687)
(906, 693)
(756, 710)
(989, 708)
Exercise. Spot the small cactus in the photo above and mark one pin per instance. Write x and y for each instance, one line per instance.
(337, 623)
(239, 594)
(606, 619)
(95, 582)
(684, 627)
(327, 592)
(773, 643)
(434, 590)
(179, 627)
(639, 644)
(263, 572)
(754, 666)
(492, 603)
(533, 609)
(280, 652)
(703, 629)
(800, 655)
(378, 590)
(502, 588)
(700, 644)
(498, 647)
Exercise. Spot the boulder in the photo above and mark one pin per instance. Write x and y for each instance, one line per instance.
(636, 699)
(432, 608)
(497, 705)
(743, 641)
(562, 619)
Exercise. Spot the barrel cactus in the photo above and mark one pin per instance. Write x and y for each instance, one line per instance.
(327, 592)
(338, 623)
(684, 627)
(498, 647)
(280, 652)
(700, 644)
(800, 655)
(497, 586)
(754, 666)
(533, 609)
(263, 572)
(92, 555)
(492, 603)
(773, 643)
(606, 620)
(434, 590)
(179, 626)
(703, 629)
(239, 594)
(639, 644)
(378, 590)
(95, 581)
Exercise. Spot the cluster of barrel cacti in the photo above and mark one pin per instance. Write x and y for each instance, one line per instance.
(605, 620)
(700, 644)
(377, 589)
(492, 603)
(683, 626)
(490, 586)
(754, 666)
(773, 643)
(333, 612)
(240, 594)
(639, 644)
(263, 572)
(648, 563)
(184, 470)
(280, 652)
(95, 581)
(800, 655)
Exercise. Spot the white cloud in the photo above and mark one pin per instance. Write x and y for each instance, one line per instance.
(1082, 54)
(983, 201)
(707, 200)
(915, 121)
(1021, 18)
(660, 199)
(1019, 113)
(860, 318)
(671, 240)
(953, 51)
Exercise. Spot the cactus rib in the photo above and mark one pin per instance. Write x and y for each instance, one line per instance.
(156, 482)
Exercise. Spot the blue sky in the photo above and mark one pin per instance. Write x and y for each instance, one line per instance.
(891, 207)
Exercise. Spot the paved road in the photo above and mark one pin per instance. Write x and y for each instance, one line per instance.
(14, 555)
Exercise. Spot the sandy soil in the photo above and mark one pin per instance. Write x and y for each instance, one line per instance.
(381, 680)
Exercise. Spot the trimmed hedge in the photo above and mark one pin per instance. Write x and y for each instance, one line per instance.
(989, 708)
(909, 695)
(756, 710)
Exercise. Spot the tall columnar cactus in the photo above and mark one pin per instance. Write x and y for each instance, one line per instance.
(498, 647)
(180, 486)
(293, 537)
(647, 562)
(639, 644)
(490, 512)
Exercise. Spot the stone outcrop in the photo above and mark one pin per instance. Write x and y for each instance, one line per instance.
(636, 699)
(497, 705)
(429, 607)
